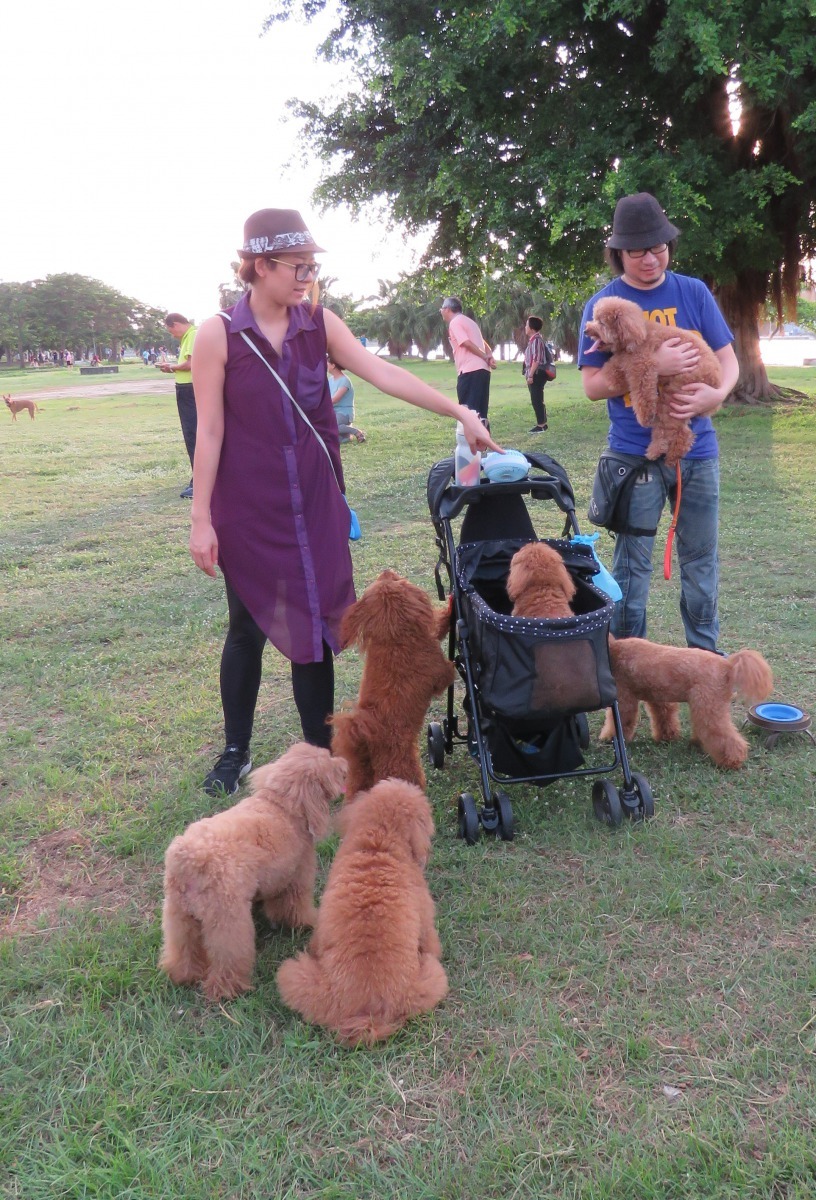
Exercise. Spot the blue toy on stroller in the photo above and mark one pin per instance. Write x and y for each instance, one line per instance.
(528, 682)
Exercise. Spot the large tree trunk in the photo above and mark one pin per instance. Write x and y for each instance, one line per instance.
(740, 303)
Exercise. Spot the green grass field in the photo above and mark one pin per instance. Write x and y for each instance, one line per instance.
(631, 1013)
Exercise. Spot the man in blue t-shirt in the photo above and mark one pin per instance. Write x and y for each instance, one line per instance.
(640, 251)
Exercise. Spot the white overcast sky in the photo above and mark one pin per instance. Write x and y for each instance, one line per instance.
(139, 136)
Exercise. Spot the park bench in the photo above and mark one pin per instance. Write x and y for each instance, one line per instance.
(99, 370)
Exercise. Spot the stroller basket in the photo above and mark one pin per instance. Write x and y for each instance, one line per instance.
(528, 669)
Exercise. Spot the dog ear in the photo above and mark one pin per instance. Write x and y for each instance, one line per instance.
(443, 620)
(351, 626)
(317, 814)
(376, 612)
(518, 575)
(630, 324)
(337, 777)
(421, 831)
(569, 585)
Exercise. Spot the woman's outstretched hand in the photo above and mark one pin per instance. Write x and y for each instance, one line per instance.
(477, 435)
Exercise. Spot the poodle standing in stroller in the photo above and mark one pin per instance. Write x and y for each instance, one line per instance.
(529, 680)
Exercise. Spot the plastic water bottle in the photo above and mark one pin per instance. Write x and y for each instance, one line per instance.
(466, 463)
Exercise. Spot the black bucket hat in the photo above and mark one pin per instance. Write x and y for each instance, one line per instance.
(639, 222)
(271, 230)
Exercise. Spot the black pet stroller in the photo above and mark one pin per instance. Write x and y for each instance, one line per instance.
(528, 682)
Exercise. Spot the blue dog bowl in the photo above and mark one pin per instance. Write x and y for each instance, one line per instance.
(775, 719)
(505, 468)
(782, 713)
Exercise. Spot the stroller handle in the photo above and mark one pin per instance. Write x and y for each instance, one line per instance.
(446, 499)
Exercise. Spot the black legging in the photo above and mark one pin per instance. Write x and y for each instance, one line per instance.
(312, 683)
(537, 398)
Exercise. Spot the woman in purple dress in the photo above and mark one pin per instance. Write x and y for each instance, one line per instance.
(268, 494)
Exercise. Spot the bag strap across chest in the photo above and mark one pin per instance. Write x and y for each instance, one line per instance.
(286, 391)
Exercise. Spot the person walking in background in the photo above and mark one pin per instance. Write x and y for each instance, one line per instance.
(342, 396)
(537, 357)
(473, 357)
(640, 252)
(179, 327)
(269, 504)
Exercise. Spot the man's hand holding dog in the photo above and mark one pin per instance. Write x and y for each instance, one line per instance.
(695, 400)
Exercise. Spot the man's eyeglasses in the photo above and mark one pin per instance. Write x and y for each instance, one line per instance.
(303, 271)
(655, 250)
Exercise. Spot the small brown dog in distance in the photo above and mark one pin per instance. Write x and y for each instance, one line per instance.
(398, 631)
(664, 676)
(16, 406)
(263, 848)
(539, 584)
(374, 958)
(619, 326)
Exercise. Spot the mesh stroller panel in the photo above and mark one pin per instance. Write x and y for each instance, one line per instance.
(531, 671)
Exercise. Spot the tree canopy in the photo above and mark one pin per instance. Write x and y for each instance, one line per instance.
(72, 311)
(512, 127)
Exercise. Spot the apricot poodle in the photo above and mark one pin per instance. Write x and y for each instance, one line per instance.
(374, 957)
(263, 848)
(398, 630)
(664, 676)
(539, 584)
(619, 326)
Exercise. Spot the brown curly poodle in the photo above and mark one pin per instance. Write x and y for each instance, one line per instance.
(663, 676)
(374, 957)
(539, 584)
(398, 630)
(619, 326)
(263, 848)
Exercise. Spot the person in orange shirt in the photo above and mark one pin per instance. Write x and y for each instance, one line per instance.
(472, 355)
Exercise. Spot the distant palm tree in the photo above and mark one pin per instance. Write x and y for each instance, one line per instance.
(565, 327)
(510, 301)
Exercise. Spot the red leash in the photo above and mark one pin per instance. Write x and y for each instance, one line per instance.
(670, 535)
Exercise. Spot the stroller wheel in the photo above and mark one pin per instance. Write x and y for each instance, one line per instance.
(606, 803)
(436, 745)
(506, 828)
(643, 793)
(468, 819)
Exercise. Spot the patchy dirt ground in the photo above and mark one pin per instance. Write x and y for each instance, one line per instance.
(64, 871)
(110, 387)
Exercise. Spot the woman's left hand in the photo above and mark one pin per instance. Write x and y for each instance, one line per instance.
(477, 435)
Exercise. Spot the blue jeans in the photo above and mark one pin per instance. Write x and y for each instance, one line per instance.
(697, 555)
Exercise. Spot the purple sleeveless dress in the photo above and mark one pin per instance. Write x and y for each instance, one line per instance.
(280, 517)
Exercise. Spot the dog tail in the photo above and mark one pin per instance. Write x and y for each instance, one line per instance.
(751, 677)
(365, 1029)
(303, 988)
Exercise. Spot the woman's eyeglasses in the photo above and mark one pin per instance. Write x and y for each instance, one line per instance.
(655, 250)
(303, 271)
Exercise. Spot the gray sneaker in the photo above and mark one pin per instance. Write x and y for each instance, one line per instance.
(230, 768)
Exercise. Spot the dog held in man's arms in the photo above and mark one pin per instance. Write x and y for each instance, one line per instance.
(619, 326)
